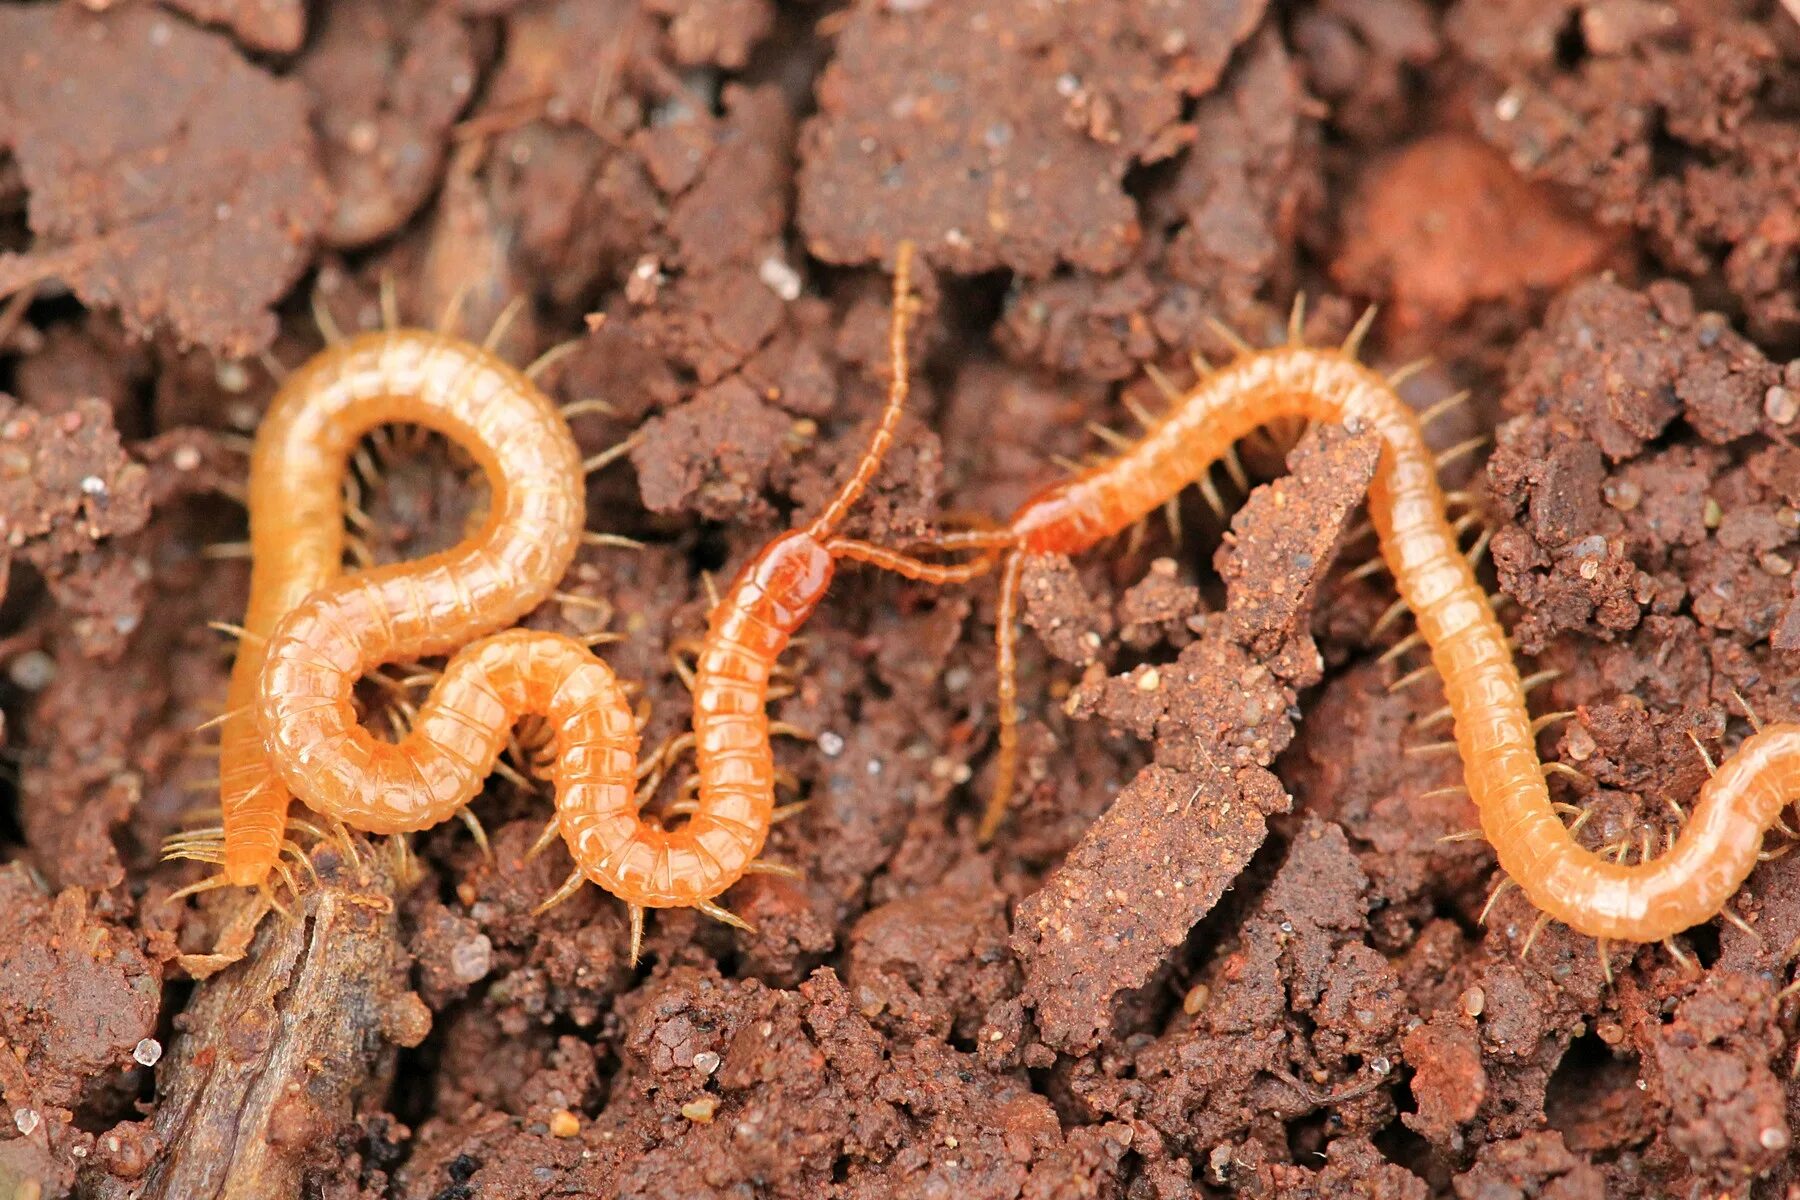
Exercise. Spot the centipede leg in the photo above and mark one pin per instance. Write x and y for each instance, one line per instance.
(469, 818)
(635, 913)
(545, 840)
(720, 913)
(569, 887)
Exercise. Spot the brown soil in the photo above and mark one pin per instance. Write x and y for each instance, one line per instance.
(1222, 947)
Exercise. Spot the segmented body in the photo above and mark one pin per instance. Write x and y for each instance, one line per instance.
(1493, 728)
(297, 535)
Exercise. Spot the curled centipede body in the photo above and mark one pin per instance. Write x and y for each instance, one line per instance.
(297, 537)
(753, 622)
(1494, 731)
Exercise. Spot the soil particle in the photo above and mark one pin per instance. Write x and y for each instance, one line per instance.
(1673, 119)
(1444, 224)
(1001, 137)
(1218, 233)
(712, 454)
(386, 84)
(1160, 857)
(66, 487)
(1598, 552)
(1535, 1164)
(177, 185)
(77, 997)
(278, 1055)
(273, 25)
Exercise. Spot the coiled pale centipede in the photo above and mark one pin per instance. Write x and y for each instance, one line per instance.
(297, 540)
(1494, 731)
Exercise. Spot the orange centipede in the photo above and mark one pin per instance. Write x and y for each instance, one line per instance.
(762, 609)
(323, 644)
(297, 542)
(1494, 731)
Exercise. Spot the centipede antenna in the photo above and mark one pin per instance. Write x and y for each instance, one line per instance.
(722, 914)
(569, 887)
(1493, 897)
(1230, 336)
(1454, 400)
(1296, 326)
(1531, 938)
(899, 387)
(1164, 384)
(591, 405)
(612, 453)
(503, 323)
(1352, 344)
(1706, 758)
(1460, 450)
(328, 326)
(1111, 437)
(550, 358)
(390, 302)
(1406, 371)
(635, 914)
(1198, 361)
(237, 631)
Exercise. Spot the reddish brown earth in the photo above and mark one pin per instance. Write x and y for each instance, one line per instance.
(1222, 947)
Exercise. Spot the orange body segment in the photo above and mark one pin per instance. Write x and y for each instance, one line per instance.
(1641, 902)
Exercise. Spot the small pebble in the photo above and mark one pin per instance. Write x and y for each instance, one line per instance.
(26, 1120)
(33, 670)
(1474, 1001)
(564, 1124)
(831, 744)
(700, 1111)
(147, 1052)
(1150, 680)
(1781, 405)
(1774, 1138)
(1196, 999)
(706, 1062)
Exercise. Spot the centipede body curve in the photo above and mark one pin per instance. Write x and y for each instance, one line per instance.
(1641, 902)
